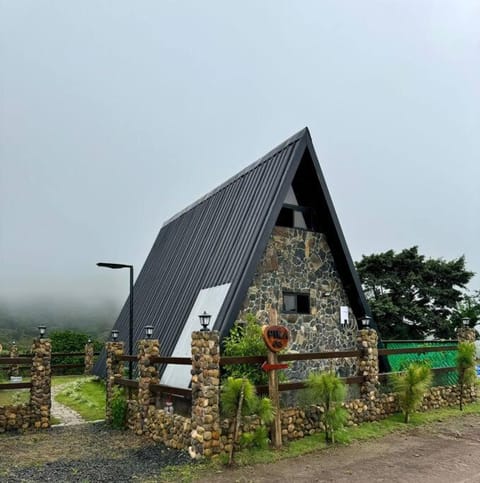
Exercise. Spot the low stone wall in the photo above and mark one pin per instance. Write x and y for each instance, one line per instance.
(173, 430)
(207, 434)
(15, 417)
(36, 413)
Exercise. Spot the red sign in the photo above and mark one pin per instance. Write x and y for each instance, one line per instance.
(270, 367)
(275, 336)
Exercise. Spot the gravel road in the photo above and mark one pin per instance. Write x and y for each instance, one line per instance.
(87, 453)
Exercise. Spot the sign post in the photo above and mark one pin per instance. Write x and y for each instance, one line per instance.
(276, 339)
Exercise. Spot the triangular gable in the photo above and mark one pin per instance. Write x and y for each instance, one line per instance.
(220, 239)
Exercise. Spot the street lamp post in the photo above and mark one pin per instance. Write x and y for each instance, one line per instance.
(130, 325)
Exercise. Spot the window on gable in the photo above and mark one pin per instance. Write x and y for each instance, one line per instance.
(296, 303)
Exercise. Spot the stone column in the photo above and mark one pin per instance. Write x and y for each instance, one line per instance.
(205, 394)
(14, 370)
(114, 369)
(88, 358)
(368, 363)
(40, 392)
(466, 334)
(148, 374)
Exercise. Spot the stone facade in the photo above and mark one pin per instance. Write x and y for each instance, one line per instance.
(300, 261)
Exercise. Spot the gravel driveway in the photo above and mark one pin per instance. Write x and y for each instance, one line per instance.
(82, 453)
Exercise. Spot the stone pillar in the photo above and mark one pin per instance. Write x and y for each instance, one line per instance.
(368, 363)
(14, 369)
(40, 392)
(114, 369)
(88, 358)
(466, 334)
(205, 394)
(148, 374)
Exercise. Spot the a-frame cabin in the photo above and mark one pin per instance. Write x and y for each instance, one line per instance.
(268, 238)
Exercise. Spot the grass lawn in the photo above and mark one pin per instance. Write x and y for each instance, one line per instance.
(86, 396)
(14, 396)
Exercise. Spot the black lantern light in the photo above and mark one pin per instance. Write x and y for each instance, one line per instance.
(89, 341)
(42, 329)
(204, 321)
(366, 322)
(466, 321)
(114, 335)
(149, 331)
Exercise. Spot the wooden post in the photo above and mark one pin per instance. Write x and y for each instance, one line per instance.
(276, 428)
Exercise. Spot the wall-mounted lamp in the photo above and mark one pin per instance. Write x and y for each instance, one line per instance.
(149, 331)
(204, 321)
(114, 335)
(42, 329)
(366, 322)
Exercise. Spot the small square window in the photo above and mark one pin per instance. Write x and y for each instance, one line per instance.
(296, 303)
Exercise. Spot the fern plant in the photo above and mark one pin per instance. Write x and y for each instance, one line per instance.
(411, 386)
(239, 399)
(328, 390)
(466, 367)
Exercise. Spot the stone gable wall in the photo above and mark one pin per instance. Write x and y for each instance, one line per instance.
(301, 261)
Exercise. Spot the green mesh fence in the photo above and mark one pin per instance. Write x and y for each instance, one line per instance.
(398, 362)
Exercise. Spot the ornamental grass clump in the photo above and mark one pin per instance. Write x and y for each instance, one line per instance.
(239, 399)
(326, 389)
(467, 374)
(411, 386)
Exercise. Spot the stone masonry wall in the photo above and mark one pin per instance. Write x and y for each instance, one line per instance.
(41, 374)
(114, 369)
(89, 352)
(205, 434)
(300, 261)
(36, 413)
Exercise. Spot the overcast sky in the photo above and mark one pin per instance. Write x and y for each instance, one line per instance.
(114, 115)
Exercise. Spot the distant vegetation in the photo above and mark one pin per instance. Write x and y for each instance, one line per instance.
(19, 322)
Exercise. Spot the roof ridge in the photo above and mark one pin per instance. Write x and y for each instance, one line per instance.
(292, 139)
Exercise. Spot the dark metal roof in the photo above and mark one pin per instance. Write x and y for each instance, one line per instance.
(220, 239)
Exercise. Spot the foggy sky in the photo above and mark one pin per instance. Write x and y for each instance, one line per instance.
(115, 115)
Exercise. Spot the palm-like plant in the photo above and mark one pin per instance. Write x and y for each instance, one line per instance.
(411, 386)
(239, 399)
(466, 367)
(328, 390)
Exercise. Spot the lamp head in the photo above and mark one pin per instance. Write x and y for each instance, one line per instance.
(204, 321)
(149, 331)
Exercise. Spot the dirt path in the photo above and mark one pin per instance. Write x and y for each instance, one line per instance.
(446, 452)
(67, 416)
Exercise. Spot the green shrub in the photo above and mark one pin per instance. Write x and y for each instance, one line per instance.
(467, 374)
(411, 386)
(119, 409)
(245, 339)
(328, 390)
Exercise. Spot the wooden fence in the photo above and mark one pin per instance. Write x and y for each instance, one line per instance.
(287, 386)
